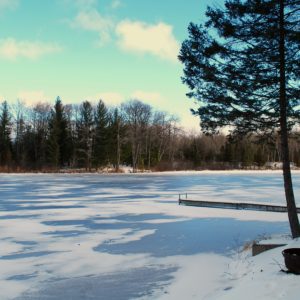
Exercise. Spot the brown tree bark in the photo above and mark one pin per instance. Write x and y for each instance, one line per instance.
(288, 185)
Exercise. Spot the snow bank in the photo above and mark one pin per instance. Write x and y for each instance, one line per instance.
(260, 277)
(240, 276)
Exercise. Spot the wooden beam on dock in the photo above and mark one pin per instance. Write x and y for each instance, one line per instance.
(234, 205)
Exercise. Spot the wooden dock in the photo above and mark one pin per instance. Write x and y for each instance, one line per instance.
(233, 205)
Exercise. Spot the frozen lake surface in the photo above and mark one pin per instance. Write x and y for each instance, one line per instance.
(125, 236)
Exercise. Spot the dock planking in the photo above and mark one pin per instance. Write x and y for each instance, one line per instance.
(234, 205)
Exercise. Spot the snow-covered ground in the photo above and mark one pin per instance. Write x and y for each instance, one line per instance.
(261, 277)
(90, 236)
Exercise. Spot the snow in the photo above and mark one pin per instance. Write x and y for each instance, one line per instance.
(124, 236)
(260, 277)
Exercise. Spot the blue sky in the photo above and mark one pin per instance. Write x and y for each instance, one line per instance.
(115, 50)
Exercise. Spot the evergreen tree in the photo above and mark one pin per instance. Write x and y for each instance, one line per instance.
(243, 67)
(228, 153)
(100, 151)
(59, 136)
(260, 156)
(29, 154)
(53, 147)
(5, 136)
(247, 153)
(116, 134)
(85, 135)
(19, 141)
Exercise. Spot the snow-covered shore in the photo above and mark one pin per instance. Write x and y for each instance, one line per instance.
(261, 276)
(128, 171)
(241, 276)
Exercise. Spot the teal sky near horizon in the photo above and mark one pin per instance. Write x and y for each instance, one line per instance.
(114, 50)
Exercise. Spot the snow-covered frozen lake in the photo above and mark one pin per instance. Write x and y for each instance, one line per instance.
(125, 236)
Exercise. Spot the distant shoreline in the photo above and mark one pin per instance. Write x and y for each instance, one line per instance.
(185, 172)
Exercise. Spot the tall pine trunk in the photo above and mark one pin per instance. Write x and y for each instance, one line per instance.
(288, 185)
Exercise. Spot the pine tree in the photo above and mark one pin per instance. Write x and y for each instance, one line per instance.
(59, 136)
(85, 135)
(243, 67)
(100, 151)
(5, 136)
(115, 140)
(19, 140)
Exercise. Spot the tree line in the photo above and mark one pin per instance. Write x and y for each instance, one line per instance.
(85, 136)
(93, 137)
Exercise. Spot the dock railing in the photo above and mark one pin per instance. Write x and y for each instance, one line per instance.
(182, 196)
(183, 200)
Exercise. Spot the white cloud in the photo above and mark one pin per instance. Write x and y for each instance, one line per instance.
(152, 98)
(155, 99)
(92, 21)
(114, 98)
(160, 102)
(32, 97)
(109, 98)
(138, 37)
(12, 49)
(116, 4)
(144, 38)
(8, 4)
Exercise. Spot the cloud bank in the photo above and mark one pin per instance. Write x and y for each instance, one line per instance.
(12, 49)
(139, 37)
(130, 36)
(32, 97)
(116, 4)
(8, 4)
(92, 21)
